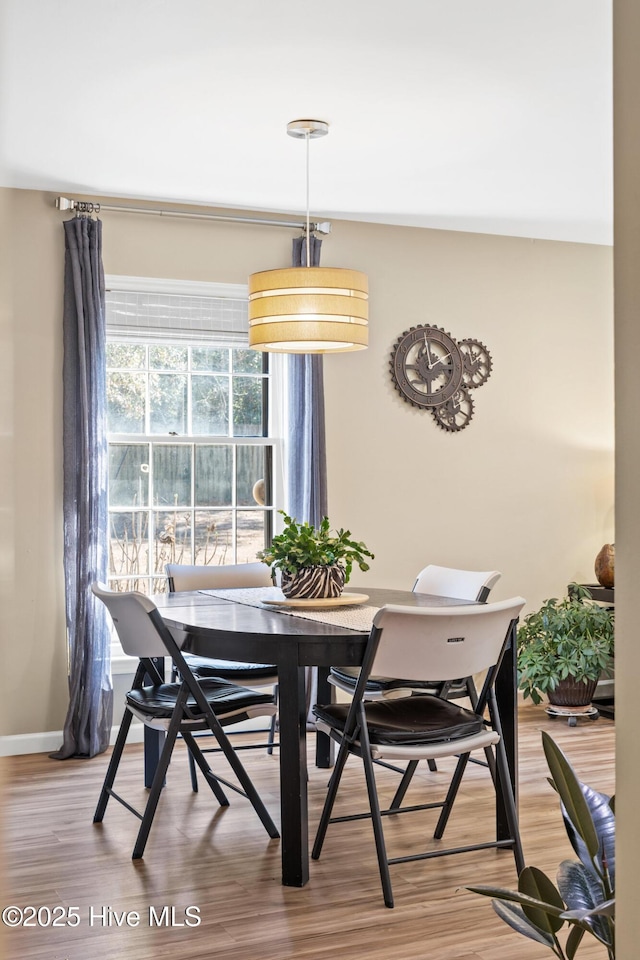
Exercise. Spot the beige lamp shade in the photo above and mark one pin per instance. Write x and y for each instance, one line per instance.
(308, 310)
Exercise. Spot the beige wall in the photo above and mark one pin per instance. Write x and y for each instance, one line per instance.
(627, 327)
(527, 488)
(6, 455)
(36, 252)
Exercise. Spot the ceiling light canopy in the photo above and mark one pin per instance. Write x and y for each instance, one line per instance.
(308, 309)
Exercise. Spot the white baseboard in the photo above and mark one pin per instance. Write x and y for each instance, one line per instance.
(50, 741)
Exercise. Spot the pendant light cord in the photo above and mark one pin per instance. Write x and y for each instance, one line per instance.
(307, 137)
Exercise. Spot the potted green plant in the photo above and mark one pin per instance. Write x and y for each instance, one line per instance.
(314, 561)
(585, 893)
(564, 647)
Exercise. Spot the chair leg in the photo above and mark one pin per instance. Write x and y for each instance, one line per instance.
(472, 693)
(376, 821)
(273, 725)
(508, 799)
(452, 793)
(196, 756)
(113, 766)
(192, 771)
(191, 684)
(156, 787)
(403, 786)
(332, 790)
(245, 781)
(491, 762)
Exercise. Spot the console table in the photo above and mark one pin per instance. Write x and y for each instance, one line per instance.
(604, 704)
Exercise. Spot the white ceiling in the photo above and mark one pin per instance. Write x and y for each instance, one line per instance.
(492, 116)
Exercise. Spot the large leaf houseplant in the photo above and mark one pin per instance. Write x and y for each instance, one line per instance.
(314, 561)
(566, 641)
(584, 897)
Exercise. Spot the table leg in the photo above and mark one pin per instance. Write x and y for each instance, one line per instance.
(506, 695)
(294, 828)
(153, 744)
(153, 739)
(324, 743)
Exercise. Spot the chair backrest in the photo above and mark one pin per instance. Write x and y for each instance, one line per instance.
(441, 643)
(202, 577)
(463, 584)
(130, 614)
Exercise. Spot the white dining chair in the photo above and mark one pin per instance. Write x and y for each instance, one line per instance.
(186, 706)
(184, 577)
(438, 581)
(418, 643)
(475, 585)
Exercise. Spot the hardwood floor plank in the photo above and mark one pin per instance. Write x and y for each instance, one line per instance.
(221, 861)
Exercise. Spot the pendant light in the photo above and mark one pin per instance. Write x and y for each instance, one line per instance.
(308, 309)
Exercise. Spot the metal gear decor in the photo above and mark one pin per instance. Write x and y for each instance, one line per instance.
(432, 371)
(456, 413)
(476, 361)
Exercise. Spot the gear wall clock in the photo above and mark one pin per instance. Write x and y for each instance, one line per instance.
(432, 371)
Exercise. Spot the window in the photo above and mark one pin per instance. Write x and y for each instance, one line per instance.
(190, 460)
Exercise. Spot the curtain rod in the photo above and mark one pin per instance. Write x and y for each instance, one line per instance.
(88, 206)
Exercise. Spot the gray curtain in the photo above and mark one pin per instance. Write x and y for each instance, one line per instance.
(88, 723)
(306, 445)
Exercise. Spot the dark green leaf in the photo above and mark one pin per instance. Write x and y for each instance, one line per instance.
(579, 888)
(534, 883)
(514, 896)
(514, 916)
(583, 893)
(606, 909)
(604, 822)
(573, 942)
(568, 787)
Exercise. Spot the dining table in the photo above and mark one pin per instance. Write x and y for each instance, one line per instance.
(237, 625)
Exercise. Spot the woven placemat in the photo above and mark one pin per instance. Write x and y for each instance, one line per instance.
(358, 617)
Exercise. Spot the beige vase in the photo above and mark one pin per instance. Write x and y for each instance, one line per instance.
(604, 566)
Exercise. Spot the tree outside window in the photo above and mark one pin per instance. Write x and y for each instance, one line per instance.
(190, 465)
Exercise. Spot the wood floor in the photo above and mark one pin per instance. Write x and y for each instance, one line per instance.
(223, 863)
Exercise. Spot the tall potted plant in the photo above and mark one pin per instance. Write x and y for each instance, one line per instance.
(584, 897)
(563, 649)
(314, 562)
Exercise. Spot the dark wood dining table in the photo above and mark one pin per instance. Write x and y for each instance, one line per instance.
(223, 628)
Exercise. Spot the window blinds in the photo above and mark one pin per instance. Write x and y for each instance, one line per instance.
(139, 315)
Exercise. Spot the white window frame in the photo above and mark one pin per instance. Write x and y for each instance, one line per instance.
(276, 385)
